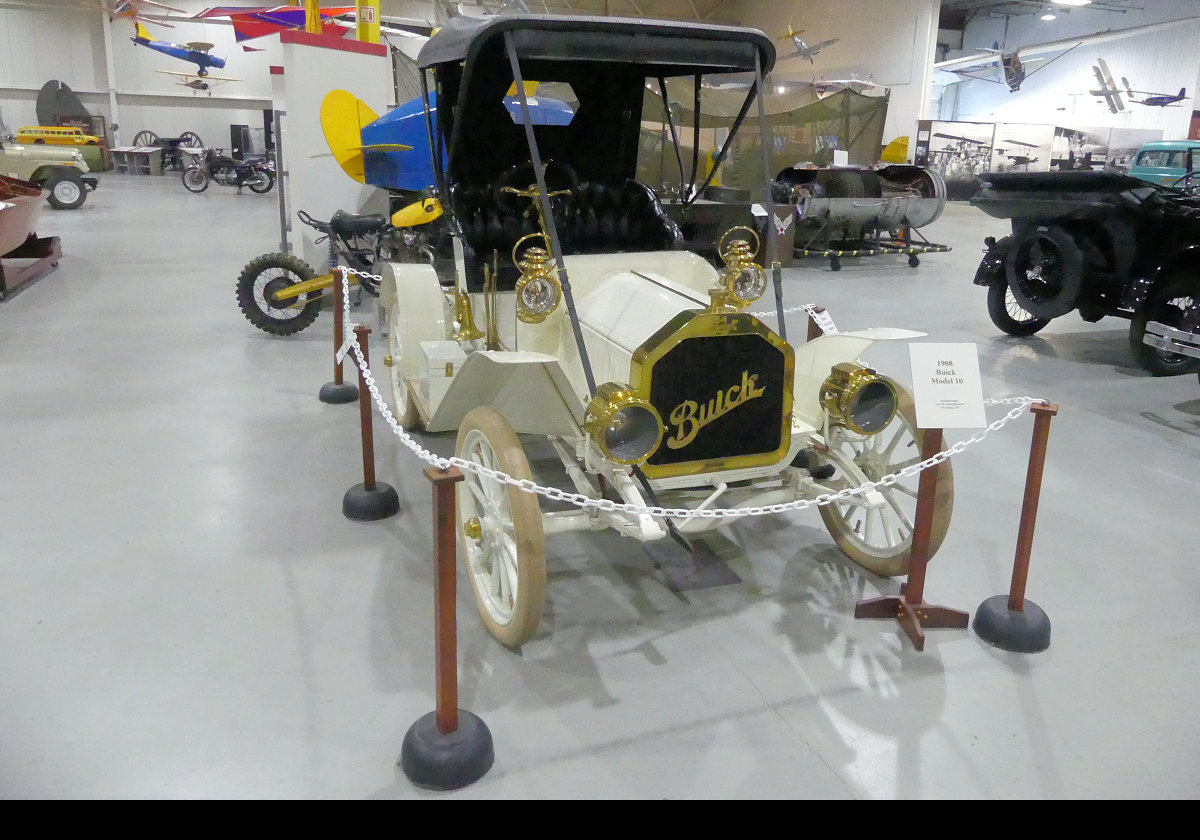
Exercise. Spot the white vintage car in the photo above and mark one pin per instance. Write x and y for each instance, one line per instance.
(564, 306)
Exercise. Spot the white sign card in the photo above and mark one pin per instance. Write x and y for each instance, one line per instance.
(947, 389)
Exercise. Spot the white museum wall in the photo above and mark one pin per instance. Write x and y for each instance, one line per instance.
(313, 181)
(1056, 89)
(115, 78)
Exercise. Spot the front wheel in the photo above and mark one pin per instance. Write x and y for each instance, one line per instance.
(1008, 315)
(876, 530)
(195, 179)
(501, 530)
(1175, 302)
(66, 192)
(258, 284)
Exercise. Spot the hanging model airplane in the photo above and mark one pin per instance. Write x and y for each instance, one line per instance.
(197, 82)
(1156, 100)
(136, 10)
(804, 50)
(250, 22)
(1010, 64)
(866, 86)
(1108, 91)
(196, 52)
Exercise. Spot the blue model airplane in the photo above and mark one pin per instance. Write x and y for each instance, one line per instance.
(196, 52)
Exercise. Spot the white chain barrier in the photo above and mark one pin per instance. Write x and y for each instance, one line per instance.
(579, 500)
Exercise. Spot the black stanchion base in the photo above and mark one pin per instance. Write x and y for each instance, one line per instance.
(338, 392)
(448, 761)
(367, 505)
(1024, 631)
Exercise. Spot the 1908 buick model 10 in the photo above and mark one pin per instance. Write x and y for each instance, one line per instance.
(636, 359)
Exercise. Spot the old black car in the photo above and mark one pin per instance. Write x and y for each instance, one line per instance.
(1097, 243)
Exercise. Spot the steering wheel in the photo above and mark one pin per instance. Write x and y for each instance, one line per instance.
(1188, 182)
(515, 191)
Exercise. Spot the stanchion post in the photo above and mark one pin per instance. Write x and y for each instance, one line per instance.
(910, 610)
(338, 391)
(448, 748)
(814, 329)
(1011, 622)
(370, 500)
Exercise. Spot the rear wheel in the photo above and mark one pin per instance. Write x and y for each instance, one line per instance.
(145, 138)
(262, 183)
(195, 179)
(1175, 302)
(403, 407)
(1008, 315)
(67, 192)
(501, 530)
(261, 279)
(877, 532)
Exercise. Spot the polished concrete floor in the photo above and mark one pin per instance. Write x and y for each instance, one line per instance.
(189, 615)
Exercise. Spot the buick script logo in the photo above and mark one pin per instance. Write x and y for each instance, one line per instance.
(689, 417)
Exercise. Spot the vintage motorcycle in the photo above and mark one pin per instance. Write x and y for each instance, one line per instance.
(281, 294)
(257, 174)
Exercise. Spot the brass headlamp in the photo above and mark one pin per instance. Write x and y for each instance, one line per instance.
(626, 427)
(859, 398)
(538, 290)
(744, 280)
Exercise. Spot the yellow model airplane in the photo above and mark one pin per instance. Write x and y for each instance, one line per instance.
(197, 82)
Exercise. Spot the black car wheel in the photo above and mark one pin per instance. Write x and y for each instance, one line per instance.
(1008, 315)
(67, 192)
(1174, 301)
(1044, 269)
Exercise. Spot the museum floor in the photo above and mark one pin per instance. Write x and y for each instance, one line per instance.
(189, 615)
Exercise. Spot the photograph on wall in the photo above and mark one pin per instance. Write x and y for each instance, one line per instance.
(1079, 148)
(960, 152)
(1021, 147)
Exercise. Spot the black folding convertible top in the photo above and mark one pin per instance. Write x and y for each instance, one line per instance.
(606, 61)
(662, 47)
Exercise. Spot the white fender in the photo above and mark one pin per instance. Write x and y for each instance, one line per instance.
(815, 359)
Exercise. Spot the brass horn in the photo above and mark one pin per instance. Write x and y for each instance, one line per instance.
(465, 329)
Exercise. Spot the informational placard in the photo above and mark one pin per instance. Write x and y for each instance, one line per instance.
(947, 389)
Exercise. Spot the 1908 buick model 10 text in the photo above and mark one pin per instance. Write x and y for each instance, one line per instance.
(635, 358)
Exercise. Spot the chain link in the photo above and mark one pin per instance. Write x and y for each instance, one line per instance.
(608, 505)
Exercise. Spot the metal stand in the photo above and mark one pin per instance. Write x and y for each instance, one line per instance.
(370, 500)
(448, 748)
(338, 391)
(1013, 623)
(909, 608)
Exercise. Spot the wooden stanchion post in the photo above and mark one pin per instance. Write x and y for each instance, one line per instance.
(814, 329)
(1012, 622)
(370, 500)
(447, 748)
(910, 608)
(338, 391)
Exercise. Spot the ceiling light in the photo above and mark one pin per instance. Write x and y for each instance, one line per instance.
(1049, 15)
(1071, 2)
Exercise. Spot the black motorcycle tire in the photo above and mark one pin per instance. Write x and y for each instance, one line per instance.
(195, 179)
(262, 277)
(1008, 315)
(262, 188)
(1044, 269)
(1159, 308)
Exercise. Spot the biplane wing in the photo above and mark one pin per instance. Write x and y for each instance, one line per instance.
(1107, 91)
(251, 22)
(135, 10)
(197, 82)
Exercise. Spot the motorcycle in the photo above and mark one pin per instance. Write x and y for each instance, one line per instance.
(257, 174)
(281, 294)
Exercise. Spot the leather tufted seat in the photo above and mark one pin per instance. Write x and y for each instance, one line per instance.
(596, 218)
